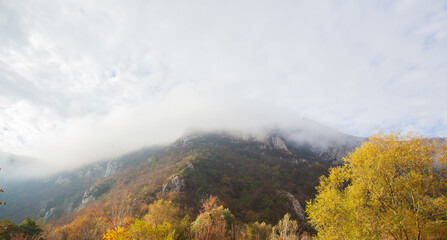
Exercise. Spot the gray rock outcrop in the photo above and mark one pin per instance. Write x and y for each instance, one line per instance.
(175, 184)
(296, 206)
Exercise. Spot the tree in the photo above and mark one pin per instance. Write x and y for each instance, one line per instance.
(29, 227)
(392, 187)
(286, 229)
(213, 221)
(256, 231)
(118, 207)
(89, 224)
(142, 231)
(161, 211)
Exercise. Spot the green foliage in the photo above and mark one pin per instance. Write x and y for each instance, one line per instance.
(101, 187)
(246, 177)
(29, 228)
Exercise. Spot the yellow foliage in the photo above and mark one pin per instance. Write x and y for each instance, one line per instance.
(89, 225)
(118, 233)
(163, 211)
(256, 231)
(392, 187)
(141, 230)
(286, 229)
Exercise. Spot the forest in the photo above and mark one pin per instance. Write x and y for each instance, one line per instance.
(391, 187)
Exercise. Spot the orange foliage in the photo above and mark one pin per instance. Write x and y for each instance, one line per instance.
(24, 237)
(211, 224)
(90, 225)
(211, 203)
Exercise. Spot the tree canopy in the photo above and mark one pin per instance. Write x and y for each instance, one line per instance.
(392, 187)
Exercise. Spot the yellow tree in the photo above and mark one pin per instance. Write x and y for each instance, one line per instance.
(161, 211)
(392, 187)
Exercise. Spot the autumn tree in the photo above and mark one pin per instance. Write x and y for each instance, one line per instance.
(142, 231)
(161, 211)
(392, 187)
(286, 229)
(90, 224)
(256, 231)
(118, 207)
(213, 222)
(162, 221)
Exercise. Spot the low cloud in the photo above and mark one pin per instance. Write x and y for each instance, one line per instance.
(83, 80)
(127, 128)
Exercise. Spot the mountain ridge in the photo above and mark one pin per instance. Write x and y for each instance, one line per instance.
(200, 148)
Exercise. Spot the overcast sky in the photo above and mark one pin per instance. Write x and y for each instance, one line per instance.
(89, 79)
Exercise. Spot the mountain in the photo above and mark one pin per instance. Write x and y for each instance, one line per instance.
(257, 176)
(53, 196)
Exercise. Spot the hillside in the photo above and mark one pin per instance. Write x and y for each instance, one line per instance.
(257, 179)
(53, 196)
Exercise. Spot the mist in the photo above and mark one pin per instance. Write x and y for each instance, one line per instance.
(97, 137)
(83, 81)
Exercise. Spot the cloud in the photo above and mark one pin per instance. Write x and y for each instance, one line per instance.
(83, 80)
(153, 122)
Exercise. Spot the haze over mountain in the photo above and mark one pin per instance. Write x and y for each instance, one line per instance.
(305, 132)
(195, 165)
(82, 81)
(110, 107)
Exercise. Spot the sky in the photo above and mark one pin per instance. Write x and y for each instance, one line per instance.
(84, 80)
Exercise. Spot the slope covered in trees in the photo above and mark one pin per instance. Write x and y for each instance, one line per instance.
(218, 186)
(255, 180)
(52, 197)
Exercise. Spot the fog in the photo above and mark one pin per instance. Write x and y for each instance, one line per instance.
(82, 81)
(132, 127)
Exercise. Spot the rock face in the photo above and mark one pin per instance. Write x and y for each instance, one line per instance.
(296, 206)
(88, 197)
(49, 215)
(175, 184)
(62, 180)
(111, 168)
(63, 192)
(334, 154)
(186, 139)
(277, 143)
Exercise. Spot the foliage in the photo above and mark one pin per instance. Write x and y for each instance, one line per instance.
(161, 211)
(118, 207)
(213, 222)
(141, 230)
(256, 231)
(28, 229)
(286, 229)
(244, 174)
(247, 177)
(392, 187)
(30, 197)
(91, 224)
